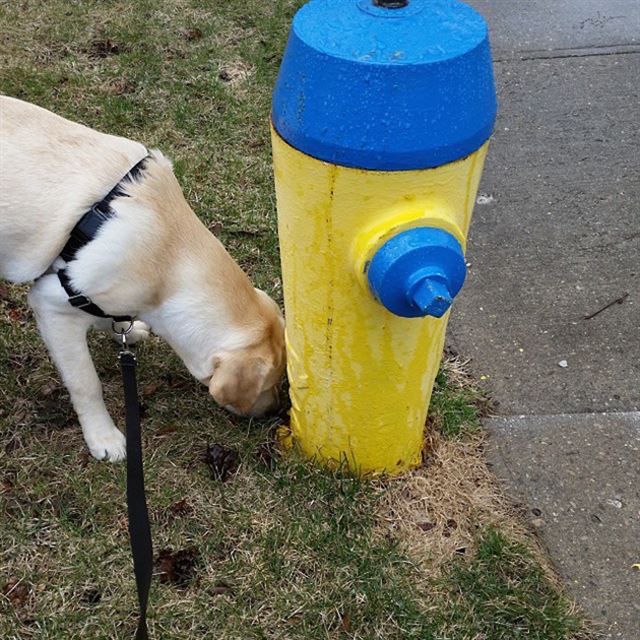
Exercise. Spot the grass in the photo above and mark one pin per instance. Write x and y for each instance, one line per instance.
(456, 405)
(501, 589)
(282, 550)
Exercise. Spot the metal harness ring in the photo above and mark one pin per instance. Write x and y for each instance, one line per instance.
(124, 332)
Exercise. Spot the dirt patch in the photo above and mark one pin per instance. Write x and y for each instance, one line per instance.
(192, 34)
(120, 86)
(105, 47)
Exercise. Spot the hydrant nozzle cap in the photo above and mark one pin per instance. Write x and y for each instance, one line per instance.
(432, 297)
(418, 272)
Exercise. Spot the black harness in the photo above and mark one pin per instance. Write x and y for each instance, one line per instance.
(84, 232)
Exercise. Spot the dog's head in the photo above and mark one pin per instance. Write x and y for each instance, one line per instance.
(245, 380)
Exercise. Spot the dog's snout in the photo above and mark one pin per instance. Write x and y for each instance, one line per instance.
(267, 402)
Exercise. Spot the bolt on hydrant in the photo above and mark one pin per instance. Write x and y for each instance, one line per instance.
(382, 113)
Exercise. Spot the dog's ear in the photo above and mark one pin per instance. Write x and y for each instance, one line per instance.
(237, 381)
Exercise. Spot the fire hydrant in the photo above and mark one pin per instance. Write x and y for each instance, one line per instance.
(381, 117)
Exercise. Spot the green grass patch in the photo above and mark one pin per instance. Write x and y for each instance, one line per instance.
(503, 594)
(457, 405)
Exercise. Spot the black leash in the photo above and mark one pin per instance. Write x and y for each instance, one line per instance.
(139, 527)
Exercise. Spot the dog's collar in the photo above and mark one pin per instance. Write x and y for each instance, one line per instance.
(85, 231)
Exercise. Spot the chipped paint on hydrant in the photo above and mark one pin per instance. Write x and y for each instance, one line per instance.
(381, 118)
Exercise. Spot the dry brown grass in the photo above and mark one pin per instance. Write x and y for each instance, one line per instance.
(437, 510)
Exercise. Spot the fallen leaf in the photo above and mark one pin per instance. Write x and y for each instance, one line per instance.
(222, 461)
(172, 427)
(21, 416)
(16, 592)
(149, 389)
(84, 459)
(179, 509)
(177, 569)
(294, 619)
(49, 388)
(15, 315)
(346, 622)
(192, 34)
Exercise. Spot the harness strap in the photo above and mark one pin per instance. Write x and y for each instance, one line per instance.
(139, 527)
(85, 231)
(84, 303)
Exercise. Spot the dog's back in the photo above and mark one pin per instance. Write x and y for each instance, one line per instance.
(51, 171)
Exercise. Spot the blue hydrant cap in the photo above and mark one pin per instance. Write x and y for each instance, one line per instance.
(403, 86)
(418, 272)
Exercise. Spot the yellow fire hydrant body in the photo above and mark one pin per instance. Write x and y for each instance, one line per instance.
(372, 232)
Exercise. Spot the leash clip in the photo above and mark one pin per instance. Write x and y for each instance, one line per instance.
(123, 333)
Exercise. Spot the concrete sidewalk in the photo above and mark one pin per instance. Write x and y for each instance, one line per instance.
(555, 239)
(580, 479)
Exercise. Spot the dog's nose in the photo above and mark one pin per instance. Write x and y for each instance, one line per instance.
(268, 402)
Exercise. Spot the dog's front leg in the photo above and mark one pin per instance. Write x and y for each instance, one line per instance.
(64, 330)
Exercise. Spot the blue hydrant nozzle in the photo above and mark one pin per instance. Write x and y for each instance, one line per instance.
(431, 295)
(418, 272)
(391, 4)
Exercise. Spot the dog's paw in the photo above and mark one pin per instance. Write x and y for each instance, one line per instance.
(139, 332)
(110, 445)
